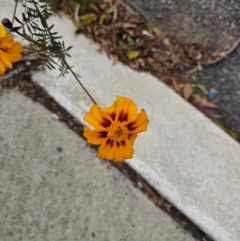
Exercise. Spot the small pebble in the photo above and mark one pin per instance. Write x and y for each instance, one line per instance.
(226, 99)
(59, 149)
(55, 116)
(140, 185)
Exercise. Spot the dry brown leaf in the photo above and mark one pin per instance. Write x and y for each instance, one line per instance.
(191, 71)
(130, 32)
(113, 38)
(150, 60)
(187, 91)
(94, 8)
(129, 25)
(166, 41)
(134, 65)
(106, 48)
(222, 54)
(214, 54)
(175, 84)
(197, 98)
(141, 62)
(158, 32)
(115, 60)
(203, 102)
(209, 104)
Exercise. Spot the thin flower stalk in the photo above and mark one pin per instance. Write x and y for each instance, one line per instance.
(55, 47)
(115, 128)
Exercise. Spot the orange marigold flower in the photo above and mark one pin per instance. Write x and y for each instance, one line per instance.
(116, 128)
(10, 51)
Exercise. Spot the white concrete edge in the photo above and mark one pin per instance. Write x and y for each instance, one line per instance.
(206, 223)
(149, 169)
(183, 155)
(162, 185)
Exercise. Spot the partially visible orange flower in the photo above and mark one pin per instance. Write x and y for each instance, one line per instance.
(10, 51)
(116, 128)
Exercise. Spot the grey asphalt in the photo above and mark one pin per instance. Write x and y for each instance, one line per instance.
(52, 187)
(211, 24)
(215, 25)
(224, 76)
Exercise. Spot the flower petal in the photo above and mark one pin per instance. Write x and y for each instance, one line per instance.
(132, 138)
(5, 59)
(2, 67)
(14, 53)
(125, 108)
(94, 137)
(111, 111)
(115, 151)
(6, 41)
(124, 150)
(107, 150)
(139, 123)
(2, 31)
(97, 118)
(9, 51)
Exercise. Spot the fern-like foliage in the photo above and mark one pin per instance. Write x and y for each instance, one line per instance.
(41, 37)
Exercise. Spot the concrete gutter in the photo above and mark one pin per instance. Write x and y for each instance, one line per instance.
(183, 155)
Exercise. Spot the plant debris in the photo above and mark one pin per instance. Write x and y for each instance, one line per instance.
(125, 36)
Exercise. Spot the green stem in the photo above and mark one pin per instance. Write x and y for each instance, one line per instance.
(14, 12)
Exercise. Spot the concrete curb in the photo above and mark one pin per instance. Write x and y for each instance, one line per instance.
(183, 155)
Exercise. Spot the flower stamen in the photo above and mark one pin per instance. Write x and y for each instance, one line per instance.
(117, 131)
